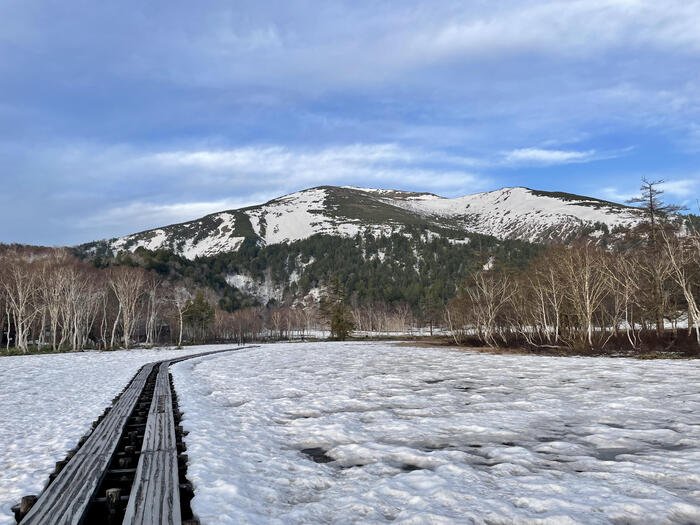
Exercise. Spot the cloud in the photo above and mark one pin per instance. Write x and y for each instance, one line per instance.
(374, 164)
(131, 107)
(155, 213)
(680, 187)
(105, 192)
(547, 157)
(551, 157)
(673, 189)
(615, 195)
(564, 27)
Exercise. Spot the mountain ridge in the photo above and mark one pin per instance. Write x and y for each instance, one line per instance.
(516, 213)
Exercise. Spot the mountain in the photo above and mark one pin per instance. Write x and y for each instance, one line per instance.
(506, 214)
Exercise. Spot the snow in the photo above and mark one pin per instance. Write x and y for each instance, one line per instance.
(422, 435)
(395, 193)
(300, 215)
(155, 242)
(518, 213)
(513, 213)
(367, 190)
(291, 218)
(47, 402)
(219, 241)
(261, 290)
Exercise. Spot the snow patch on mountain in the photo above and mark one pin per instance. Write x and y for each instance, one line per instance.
(520, 213)
(509, 213)
(294, 217)
(220, 239)
(395, 194)
(263, 290)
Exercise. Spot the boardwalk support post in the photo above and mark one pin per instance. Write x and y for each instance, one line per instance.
(25, 505)
(113, 501)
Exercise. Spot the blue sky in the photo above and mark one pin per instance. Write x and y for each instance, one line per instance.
(121, 116)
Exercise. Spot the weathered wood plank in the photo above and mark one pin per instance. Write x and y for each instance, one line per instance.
(65, 500)
(155, 494)
(160, 428)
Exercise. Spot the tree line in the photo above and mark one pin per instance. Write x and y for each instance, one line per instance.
(642, 295)
(50, 299)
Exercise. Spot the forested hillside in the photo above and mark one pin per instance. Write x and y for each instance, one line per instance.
(583, 293)
(415, 269)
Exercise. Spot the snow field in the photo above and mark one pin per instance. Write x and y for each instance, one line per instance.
(47, 402)
(439, 436)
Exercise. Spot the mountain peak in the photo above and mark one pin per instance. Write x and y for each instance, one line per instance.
(395, 194)
(507, 213)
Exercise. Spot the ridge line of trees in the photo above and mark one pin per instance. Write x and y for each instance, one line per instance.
(639, 295)
(586, 297)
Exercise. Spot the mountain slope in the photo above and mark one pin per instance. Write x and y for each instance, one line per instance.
(508, 213)
(525, 214)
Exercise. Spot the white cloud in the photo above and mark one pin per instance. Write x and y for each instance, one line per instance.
(680, 188)
(260, 173)
(673, 190)
(548, 156)
(563, 27)
(614, 194)
(379, 164)
(155, 213)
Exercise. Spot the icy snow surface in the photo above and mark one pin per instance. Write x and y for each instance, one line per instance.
(439, 436)
(47, 402)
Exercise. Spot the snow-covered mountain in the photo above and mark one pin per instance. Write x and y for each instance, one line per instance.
(508, 213)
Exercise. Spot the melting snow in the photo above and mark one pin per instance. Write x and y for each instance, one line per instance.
(340, 433)
(264, 291)
(47, 402)
(507, 213)
(518, 213)
(292, 217)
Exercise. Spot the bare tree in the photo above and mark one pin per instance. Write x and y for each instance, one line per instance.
(483, 300)
(180, 298)
(128, 287)
(585, 283)
(153, 305)
(657, 213)
(683, 256)
(53, 279)
(20, 283)
(625, 282)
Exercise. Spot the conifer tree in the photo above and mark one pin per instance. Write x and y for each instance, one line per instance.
(335, 310)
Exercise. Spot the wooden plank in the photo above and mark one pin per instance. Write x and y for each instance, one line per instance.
(66, 499)
(155, 494)
(159, 434)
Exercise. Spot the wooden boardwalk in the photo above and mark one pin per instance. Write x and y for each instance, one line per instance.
(154, 496)
(66, 499)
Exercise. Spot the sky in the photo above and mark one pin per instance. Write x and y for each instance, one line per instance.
(117, 117)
